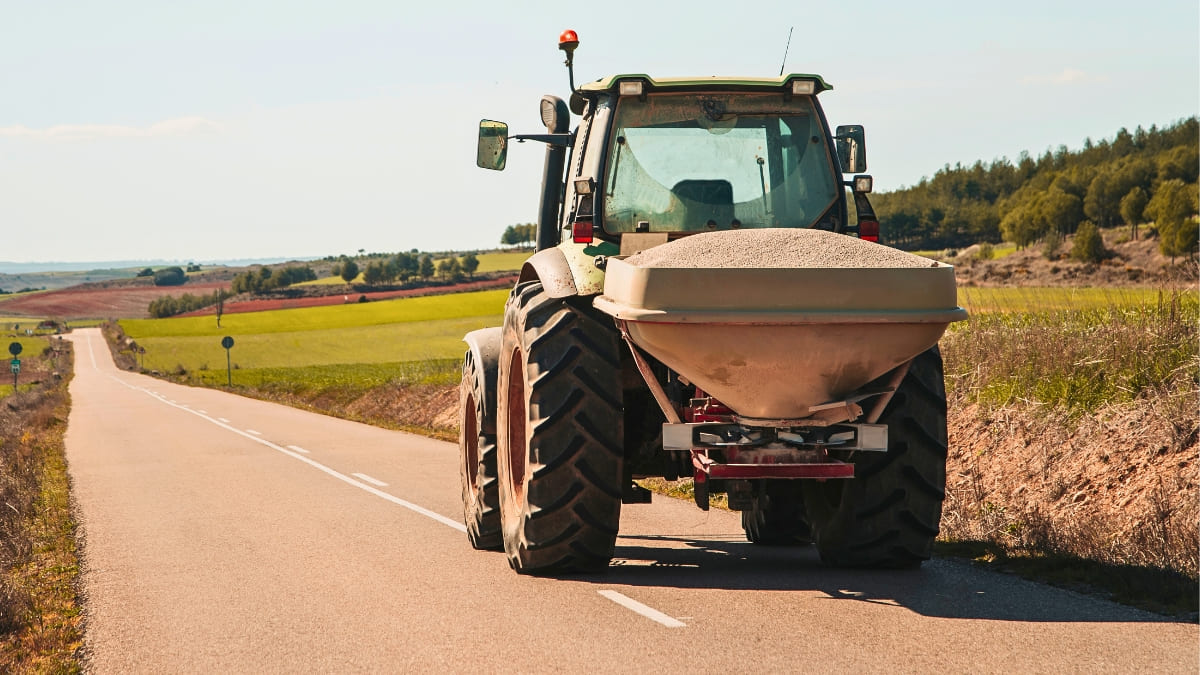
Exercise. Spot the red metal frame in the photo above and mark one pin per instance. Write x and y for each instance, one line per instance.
(707, 468)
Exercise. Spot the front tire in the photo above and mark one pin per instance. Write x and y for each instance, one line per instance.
(887, 516)
(560, 428)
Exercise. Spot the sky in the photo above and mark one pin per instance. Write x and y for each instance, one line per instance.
(223, 129)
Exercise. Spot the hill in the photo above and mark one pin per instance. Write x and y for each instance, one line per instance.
(1141, 176)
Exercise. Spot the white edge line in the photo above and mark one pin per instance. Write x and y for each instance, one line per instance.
(316, 465)
(646, 611)
(223, 420)
(297, 449)
(372, 481)
(256, 433)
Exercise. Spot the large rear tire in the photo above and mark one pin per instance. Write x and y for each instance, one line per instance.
(887, 516)
(560, 435)
(477, 458)
(777, 516)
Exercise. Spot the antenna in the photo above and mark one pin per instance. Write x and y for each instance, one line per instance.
(785, 50)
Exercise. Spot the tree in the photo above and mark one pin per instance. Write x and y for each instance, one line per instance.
(374, 273)
(1088, 245)
(1059, 210)
(146, 272)
(469, 264)
(1103, 199)
(408, 265)
(449, 268)
(515, 235)
(510, 236)
(426, 269)
(1133, 207)
(170, 276)
(349, 271)
(220, 305)
(1172, 207)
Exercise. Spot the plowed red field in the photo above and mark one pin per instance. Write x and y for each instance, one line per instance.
(96, 302)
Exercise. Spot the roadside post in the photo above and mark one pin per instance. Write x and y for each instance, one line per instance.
(142, 356)
(14, 348)
(227, 343)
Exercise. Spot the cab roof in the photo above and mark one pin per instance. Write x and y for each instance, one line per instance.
(610, 82)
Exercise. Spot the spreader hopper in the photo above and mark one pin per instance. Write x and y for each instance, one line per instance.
(773, 343)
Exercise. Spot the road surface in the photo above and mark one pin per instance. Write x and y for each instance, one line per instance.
(224, 534)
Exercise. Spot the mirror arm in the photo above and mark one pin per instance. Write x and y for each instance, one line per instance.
(560, 140)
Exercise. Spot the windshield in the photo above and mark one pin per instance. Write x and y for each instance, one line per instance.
(695, 162)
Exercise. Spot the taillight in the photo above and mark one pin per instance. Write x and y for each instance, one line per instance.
(869, 230)
(581, 232)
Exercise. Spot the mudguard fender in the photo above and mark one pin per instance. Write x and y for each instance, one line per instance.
(551, 268)
(484, 345)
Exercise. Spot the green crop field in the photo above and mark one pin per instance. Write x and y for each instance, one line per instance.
(403, 310)
(328, 281)
(1047, 299)
(502, 262)
(30, 347)
(387, 332)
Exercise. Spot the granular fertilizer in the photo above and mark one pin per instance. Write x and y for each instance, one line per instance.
(774, 248)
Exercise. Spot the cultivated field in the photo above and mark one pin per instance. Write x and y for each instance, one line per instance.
(388, 332)
(97, 301)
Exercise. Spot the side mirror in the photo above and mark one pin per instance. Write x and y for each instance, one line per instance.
(493, 145)
(852, 148)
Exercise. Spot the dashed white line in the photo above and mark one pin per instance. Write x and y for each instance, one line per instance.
(645, 610)
(298, 449)
(256, 433)
(224, 424)
(372, 481)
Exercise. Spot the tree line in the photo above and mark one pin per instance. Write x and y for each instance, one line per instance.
(169, 305)
(401, 267)
(522, 234)
(405, 266)
(1147, 175)
(266, 279)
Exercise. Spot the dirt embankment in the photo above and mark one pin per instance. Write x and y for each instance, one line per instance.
(1119, 485)
(1131, 263)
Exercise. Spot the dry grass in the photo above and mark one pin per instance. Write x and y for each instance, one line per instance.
(39, 612)
(1074, 446)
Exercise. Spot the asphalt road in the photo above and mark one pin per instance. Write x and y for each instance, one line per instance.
(223, 534)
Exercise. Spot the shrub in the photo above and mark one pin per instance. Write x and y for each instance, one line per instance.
(1051, 244)
(986, 251)
(1088, 245)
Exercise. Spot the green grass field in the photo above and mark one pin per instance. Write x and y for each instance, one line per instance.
(503, 262)
(1000, 250)
(294, 340)
(1047, 299)
(1074, 348)
(30, 348)
(329, 317)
